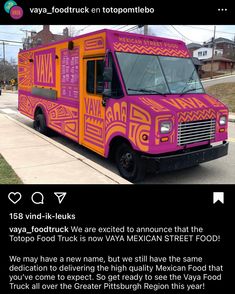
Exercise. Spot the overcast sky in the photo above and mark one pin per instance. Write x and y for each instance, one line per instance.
(186, 33)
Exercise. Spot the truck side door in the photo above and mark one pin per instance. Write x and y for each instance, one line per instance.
(92, 123)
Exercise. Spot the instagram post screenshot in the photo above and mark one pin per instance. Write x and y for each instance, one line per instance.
(117, 147)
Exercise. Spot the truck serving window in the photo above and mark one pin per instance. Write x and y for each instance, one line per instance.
(151, 74)
(95, 76)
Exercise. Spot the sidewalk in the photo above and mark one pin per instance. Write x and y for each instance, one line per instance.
(38, 159)
(9, 91)
(231, 117)
(218, 77)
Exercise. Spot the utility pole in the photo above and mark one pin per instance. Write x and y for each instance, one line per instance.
(4, 61)
(26, 32)
(145, 29)
(4, 43)
(213, 52)
(26, 37)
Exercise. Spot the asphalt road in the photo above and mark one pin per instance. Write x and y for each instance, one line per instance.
(227, 79)
(220, 171)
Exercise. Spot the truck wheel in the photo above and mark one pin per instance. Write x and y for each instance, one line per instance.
(129, 163)
(40, 124)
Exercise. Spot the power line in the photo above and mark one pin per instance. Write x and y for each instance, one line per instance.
(26, 32)
(132, 29)
(13, 45)
(182, 34)
(85, 27)
(10, 41)
(82, 29)
(166, 27)
(115, 26)
(211, 30)
(122, 27)
(9, 33)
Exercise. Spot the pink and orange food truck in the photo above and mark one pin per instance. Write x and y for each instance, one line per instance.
(136, 98)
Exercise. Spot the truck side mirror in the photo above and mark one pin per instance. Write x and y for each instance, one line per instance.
(108, 74)
(107, 92)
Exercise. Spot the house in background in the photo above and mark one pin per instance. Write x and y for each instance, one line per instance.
(224, 56)
(193, 46)
(45, 36)
(228, 47)
(220, 64)
(205, 53)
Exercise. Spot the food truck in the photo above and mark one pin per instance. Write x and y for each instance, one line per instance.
(132, 97)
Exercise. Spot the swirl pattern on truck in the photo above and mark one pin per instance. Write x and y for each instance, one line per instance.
(61, 118)
(25, 70)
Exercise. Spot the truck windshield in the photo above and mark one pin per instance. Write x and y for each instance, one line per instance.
(151, 74)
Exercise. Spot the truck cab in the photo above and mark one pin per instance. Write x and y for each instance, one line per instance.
(164, 113)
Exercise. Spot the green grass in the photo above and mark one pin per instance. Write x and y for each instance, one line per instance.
(225, 92)
(7, 174)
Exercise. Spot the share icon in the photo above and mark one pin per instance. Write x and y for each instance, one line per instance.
(60, 196)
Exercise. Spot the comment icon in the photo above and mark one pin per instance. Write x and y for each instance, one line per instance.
(37, 198)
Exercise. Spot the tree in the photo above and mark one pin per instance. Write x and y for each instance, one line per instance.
(8, 70)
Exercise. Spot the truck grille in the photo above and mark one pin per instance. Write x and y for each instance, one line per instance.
(196, 131)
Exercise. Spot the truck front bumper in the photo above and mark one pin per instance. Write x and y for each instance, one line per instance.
(185, 159)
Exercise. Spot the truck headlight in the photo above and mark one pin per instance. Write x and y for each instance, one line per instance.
(165, 127)
(223, 120)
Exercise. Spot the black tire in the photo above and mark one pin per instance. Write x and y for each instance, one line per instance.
(129, 163)
(40, 124)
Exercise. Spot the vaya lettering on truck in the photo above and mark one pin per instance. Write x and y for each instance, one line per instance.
(135, 97)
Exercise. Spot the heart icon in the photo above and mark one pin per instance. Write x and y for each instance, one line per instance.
(14, 197)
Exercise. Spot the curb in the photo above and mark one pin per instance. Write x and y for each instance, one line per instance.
(109, 174)
(9, 92)
(217, 78)
(231, 119)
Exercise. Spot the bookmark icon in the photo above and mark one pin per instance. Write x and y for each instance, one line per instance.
(60, 196)
(218, 196)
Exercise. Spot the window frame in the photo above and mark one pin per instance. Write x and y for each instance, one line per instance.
(149, 94)
(115, 65)
(95, 75)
